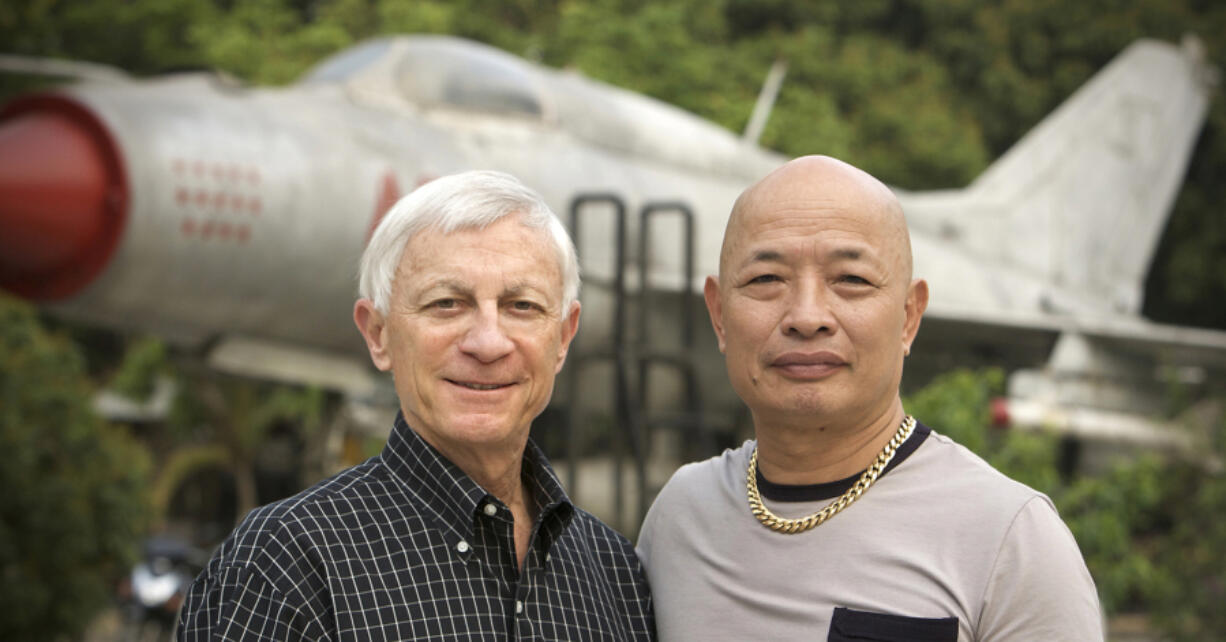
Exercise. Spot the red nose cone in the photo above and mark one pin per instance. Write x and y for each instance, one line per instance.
(52, 191)
(62, 197)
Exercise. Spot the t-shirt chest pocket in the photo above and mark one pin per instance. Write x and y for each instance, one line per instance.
(862, 626)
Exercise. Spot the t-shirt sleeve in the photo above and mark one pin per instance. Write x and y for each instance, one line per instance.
(240, 604)
(647, 533)
(1040, 588)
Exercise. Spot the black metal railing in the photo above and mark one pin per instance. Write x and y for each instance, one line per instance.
(633, 425)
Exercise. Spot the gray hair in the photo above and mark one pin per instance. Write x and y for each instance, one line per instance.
(468, 200)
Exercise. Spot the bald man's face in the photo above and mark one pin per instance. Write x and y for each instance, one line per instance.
(814, 306)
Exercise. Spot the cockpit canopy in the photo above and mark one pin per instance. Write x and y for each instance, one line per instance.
(438, 71)
(433, 72)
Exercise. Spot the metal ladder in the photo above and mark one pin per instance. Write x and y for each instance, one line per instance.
(633, 429)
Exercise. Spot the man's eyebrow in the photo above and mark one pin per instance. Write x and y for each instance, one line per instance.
(451, 285)
(841, 253)
(849, 253)
(773, 255)
(765, 256)
(515, 289)
(523, 287)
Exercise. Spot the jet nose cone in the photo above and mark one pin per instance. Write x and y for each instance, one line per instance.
(52, 190)
(61, 198)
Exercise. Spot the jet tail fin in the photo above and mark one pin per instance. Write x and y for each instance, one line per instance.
(1081, 201)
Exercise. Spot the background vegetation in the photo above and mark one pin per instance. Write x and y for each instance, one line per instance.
(73, 500)
(923, 93)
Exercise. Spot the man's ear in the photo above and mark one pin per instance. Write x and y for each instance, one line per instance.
(710, 292)
(570, 326)
(371, 324)
(917, 302)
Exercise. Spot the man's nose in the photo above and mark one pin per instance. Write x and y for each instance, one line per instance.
(810, 313)
(486, 340)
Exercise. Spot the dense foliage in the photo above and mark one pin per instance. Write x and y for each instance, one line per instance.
(74, 489)
(239, 419)
(225, 424)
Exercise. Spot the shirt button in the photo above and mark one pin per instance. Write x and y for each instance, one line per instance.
(519, 607)
(490, 510)
(462, 546)
(548, 557)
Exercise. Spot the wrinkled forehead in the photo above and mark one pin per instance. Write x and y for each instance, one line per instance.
(507, 248)
(803, 202)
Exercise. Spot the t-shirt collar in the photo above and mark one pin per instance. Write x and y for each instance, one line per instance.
(831, 490)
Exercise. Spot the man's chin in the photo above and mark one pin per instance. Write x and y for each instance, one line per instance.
(483, 428)
(778, 389)
(802, 403)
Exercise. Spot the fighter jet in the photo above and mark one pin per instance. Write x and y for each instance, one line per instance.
(230, 219)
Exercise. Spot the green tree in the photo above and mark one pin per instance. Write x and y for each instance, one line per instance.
(221, 422)
(239, 415)
(141, 37)
(1187, 599)
(267, 41)
(74, 501)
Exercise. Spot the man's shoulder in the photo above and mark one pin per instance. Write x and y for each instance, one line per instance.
(943, 462)
(592, 531)
(292, 521)
(703, 485)
(700, 475)
(1032, 575)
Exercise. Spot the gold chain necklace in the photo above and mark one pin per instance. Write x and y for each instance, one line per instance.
(793, 526)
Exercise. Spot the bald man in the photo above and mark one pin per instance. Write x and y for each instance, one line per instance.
(845, 519)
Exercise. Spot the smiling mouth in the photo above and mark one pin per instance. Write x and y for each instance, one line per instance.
(479, 386)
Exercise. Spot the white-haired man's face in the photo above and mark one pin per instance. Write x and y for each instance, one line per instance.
(475, 333)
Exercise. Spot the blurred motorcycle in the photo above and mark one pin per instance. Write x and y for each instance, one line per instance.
(153, 591)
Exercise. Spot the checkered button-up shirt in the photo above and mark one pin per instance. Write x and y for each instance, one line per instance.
(407, 547)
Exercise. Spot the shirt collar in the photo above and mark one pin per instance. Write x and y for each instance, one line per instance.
(453, 498)
(556, 509)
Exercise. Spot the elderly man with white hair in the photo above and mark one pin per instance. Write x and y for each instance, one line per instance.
(459, 529)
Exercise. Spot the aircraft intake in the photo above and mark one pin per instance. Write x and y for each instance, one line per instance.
(63, 197)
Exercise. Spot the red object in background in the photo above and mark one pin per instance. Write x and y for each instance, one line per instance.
(63, 197)
(389, 193)
(1000, 412)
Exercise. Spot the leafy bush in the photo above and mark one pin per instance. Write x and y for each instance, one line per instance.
(74, 505)
(1187, 602)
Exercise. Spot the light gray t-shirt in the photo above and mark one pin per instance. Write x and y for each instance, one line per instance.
(941, 535)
